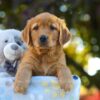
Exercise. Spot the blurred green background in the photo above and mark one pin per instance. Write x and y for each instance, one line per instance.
(83, 20)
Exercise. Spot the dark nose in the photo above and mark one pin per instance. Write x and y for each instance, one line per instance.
(43, 39)
(14, 47)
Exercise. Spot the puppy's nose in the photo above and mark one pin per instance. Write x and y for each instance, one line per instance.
(14, 47)
(43, 39)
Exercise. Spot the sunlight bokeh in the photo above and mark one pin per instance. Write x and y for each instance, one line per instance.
(93, 66)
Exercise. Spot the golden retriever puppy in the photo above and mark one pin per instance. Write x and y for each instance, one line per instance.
(44, 35)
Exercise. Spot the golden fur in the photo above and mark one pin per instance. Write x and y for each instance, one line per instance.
(47, 59)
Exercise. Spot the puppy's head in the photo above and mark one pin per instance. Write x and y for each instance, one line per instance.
(45, 30)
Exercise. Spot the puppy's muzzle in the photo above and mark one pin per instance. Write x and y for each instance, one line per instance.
(43, 39)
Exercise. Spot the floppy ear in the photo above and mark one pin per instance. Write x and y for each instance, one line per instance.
(65, 35)
(26, 34)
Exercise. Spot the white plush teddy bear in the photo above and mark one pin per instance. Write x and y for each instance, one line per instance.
(13, 53)
(11, 50)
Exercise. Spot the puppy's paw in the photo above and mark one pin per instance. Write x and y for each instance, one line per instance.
(67, 85)
(19, 87)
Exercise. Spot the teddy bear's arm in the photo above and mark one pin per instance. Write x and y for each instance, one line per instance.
(11, 68)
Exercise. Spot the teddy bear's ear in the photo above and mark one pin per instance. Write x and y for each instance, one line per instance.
(64, 35)
(26, 34)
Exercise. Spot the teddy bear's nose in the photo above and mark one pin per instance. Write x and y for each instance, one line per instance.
(14, 47)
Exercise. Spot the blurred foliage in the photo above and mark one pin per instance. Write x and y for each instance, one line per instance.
(82, 18)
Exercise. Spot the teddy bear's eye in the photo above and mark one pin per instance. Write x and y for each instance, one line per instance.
(19, 43)
(18, 40)
(6, 41)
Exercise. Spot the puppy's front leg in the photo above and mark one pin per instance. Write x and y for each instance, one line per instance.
(22, 79)
(65, 78)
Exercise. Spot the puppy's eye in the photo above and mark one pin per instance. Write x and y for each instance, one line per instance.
(6, 41)
(36, 27)
(52, 27)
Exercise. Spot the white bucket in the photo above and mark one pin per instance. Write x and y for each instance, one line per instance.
(40, 88)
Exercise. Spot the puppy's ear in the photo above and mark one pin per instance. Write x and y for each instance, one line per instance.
(64, 35)
(26, 34)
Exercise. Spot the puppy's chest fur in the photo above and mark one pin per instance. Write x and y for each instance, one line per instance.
(47, 63)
